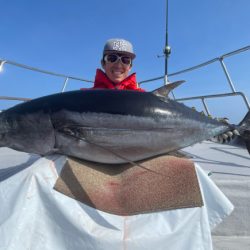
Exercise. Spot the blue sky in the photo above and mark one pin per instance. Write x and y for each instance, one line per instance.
(68, 36)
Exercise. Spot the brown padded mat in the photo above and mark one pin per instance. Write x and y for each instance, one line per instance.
(162, 183)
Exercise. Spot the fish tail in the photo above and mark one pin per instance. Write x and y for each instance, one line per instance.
(244, 129)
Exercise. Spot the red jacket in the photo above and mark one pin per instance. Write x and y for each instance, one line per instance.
(103, 82)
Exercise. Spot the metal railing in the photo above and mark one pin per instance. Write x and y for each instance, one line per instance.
(66, 77)
(202, 98)
(229, 80)
(12, 98)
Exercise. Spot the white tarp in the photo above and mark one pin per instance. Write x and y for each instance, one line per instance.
(36, 217)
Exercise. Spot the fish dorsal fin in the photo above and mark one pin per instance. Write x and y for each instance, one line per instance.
(164, 90)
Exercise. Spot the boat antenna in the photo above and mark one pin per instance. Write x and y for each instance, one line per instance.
(167, 49)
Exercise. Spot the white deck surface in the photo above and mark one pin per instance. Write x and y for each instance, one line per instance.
(230, 166)
(224, 160)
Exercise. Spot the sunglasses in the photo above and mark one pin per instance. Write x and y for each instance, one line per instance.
(112, 58)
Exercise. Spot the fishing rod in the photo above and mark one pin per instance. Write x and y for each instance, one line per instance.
(167, 49)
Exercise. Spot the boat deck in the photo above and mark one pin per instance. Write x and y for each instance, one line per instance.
(230, 167)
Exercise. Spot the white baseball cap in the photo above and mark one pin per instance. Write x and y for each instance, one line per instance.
(120, 46)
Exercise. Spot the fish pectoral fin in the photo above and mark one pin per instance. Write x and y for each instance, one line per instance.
(165, 90)
(112, 151)
(84, 131)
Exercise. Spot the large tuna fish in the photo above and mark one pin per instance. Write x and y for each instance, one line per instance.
(108, 126)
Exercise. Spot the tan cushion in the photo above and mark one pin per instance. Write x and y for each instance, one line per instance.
(161, 183)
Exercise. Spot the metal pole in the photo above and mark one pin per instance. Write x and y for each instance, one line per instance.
(65, 84)
(167, 49)
(205, 106)
(227, 75)
(1, 65)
